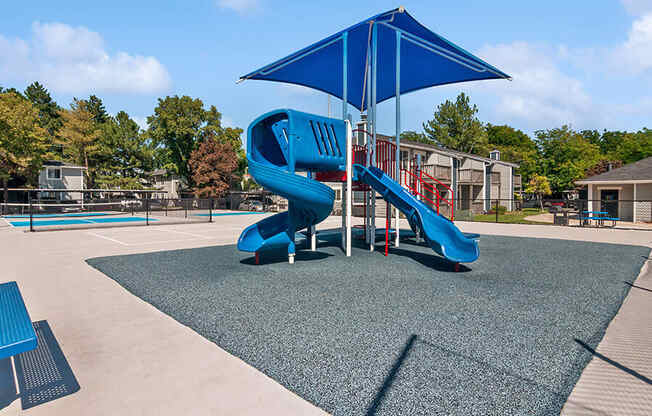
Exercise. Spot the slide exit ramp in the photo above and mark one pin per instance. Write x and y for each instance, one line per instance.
(440, 233)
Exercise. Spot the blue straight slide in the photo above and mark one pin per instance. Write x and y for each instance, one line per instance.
(440, 233)
(279, 144)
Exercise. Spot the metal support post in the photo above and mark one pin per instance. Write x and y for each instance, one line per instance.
(398, 130)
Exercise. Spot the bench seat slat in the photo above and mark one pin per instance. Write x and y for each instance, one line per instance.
(16, 331)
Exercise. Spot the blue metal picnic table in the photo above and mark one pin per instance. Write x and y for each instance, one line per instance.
(17, 333)
(599, 216)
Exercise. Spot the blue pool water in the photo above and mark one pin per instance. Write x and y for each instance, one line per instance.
(72, 214)
(42, 223)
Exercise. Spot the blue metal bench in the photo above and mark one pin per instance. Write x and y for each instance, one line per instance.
(16, 331)
(599, 216)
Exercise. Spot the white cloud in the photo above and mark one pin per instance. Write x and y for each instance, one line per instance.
(141, 121)
(541, 94)
(240, 6)
(636, 52)
(637, 7)
(74, 60)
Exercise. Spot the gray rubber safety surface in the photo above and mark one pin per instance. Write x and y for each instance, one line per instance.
(404, 334)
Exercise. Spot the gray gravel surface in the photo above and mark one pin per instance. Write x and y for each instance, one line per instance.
(403, 334)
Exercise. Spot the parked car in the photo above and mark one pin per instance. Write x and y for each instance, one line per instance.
(131, 203)
(251, 205)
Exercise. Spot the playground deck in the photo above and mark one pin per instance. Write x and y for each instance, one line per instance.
(114, 340)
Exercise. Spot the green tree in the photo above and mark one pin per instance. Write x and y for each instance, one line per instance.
(456, 126)
(565, 156)
(23, 142)
(515, 146)
(611, 140)
(632, 147)
(539, 186)
(79, 135)
(179, 125)
(126, 155)
(49, 117)
(95, 106)
(415, 137)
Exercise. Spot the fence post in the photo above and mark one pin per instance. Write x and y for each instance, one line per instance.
(165, 202)
(496, 210)
(31, 223)
(210, 210)
(147, 210)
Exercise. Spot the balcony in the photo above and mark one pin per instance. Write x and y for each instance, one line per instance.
(468, 176)
(517, 181)
(442, 173)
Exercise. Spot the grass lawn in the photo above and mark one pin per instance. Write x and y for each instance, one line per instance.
(513, 217)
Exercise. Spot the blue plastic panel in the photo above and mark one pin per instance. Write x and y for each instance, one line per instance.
(16, 331)
(285, 137)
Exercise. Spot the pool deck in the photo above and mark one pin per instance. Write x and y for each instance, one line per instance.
(130, 358)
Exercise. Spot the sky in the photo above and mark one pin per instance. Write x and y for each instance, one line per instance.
(584, 63)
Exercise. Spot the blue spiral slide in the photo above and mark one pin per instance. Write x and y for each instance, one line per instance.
(283, 142)
(279, 144)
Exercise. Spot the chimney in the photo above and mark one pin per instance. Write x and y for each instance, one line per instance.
(494, 155)
(359, 137)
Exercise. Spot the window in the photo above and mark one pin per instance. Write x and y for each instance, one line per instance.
(338, 194)
(54, 173)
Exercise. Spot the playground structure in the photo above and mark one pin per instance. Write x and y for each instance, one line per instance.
(381, 58)
(284, 142)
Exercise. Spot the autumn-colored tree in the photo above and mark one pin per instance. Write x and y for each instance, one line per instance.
(603, 166)
(539, 186)
(23, 142)
(79, 135)
(212, 165)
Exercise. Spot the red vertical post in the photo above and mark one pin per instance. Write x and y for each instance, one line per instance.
(257, 258)
(387, 229)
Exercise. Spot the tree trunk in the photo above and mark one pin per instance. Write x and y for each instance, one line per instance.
(541, 202)
(5, 198)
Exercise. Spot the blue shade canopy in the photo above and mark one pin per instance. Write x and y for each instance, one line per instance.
(427, 60)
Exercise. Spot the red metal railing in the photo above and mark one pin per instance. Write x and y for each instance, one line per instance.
(417, 185)
(385, 154)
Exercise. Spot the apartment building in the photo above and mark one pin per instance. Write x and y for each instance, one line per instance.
(475, 181)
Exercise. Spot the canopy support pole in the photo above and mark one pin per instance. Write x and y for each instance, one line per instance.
(345, 75)
(398, 129)
(374, 78)
(347, 186)
(367, 195)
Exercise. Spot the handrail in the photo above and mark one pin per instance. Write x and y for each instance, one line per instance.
(432, 189)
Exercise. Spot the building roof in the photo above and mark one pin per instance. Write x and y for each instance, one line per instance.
(59, 163)
(634, 172)
(446, 151)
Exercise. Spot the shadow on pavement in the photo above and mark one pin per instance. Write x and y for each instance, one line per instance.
(43, 373)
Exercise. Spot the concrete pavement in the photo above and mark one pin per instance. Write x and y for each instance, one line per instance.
(130, 358)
